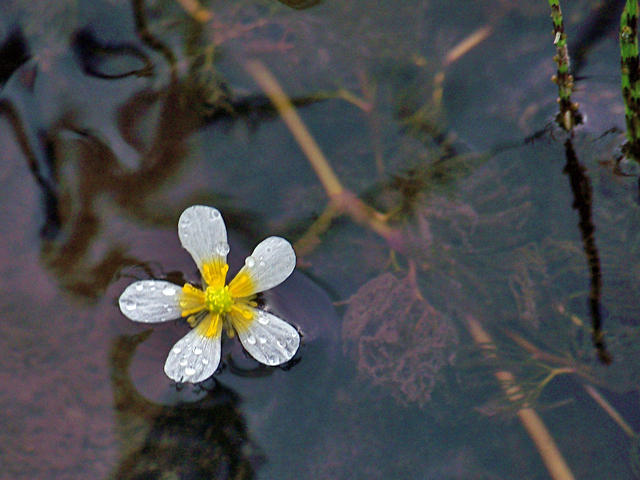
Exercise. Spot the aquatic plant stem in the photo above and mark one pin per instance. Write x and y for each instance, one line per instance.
(629, 65)
(341, 200)
(272, 88)
(533, 424)
(611, 410)
(193, 8)
(569, 116)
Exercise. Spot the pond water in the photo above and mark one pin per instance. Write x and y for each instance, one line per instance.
(117, 115)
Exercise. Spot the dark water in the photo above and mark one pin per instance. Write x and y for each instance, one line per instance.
(115, 116)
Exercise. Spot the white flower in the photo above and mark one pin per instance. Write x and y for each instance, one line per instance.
(196, 356)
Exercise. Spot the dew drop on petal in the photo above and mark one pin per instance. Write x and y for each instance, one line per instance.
(222, 248)
(205, 361)
(189, 371)
(215, 214)
(197, 350)
(262, 339)
(250, 261)
(251, 339)
(183, 362)
(262, 264)
(281, 344)
(168, 291)
(139, 287)
(130, 305)
(269, 249)
(177, 350)
(263, 320)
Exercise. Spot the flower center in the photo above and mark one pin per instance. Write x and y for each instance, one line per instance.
(218, 300)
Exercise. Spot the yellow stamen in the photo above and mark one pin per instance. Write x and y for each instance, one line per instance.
(211, 326)
(241, 317)
(242, 285)
(215, 273)
(191, 301)
(218, 300)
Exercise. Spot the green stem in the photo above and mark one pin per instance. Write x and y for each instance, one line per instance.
(630, 76)
(569, 116)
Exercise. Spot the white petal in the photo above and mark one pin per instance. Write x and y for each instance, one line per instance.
(194, 358)
(203, 234)
(269, 339)
(151, 301)
(269, 265)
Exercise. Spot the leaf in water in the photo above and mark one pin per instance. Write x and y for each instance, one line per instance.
(398, 339)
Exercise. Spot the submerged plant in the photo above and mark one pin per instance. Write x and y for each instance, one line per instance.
(194, 358)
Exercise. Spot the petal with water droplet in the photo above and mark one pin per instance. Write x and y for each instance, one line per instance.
(276, 261)
(203, 234)
(277, 340)
(151, 301)
(195, 357)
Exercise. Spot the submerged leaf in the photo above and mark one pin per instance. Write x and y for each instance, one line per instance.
(398, 339)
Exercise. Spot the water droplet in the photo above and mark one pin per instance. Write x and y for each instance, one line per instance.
(263, 320)
(222, 248)
(215, 214)
(269, 249)
(281, 344)
(130, 305)
(139, 287)
(197, 350)
(183, 362)
(168, 291)
(262, 339)
(177, 350)
(189, 371)
(262, 264)
(186, 222)
(251, 339)
(205, 361)
(168, 308)
(151, 285)
(250, 261)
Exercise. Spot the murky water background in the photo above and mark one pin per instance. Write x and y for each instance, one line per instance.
(115, 116)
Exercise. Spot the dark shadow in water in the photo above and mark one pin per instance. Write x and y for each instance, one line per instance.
(582, 195)
(109, 120)
(207, 438)
(301, 4)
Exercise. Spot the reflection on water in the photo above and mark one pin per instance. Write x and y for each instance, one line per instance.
(115, 116)
(202, 439)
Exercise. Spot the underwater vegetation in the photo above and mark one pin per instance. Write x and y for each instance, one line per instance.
(455, 270)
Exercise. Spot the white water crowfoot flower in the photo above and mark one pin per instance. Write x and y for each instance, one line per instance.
(195, 357)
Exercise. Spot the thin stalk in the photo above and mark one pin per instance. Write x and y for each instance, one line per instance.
(630, 77)
(569, 115)
(533, 424)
